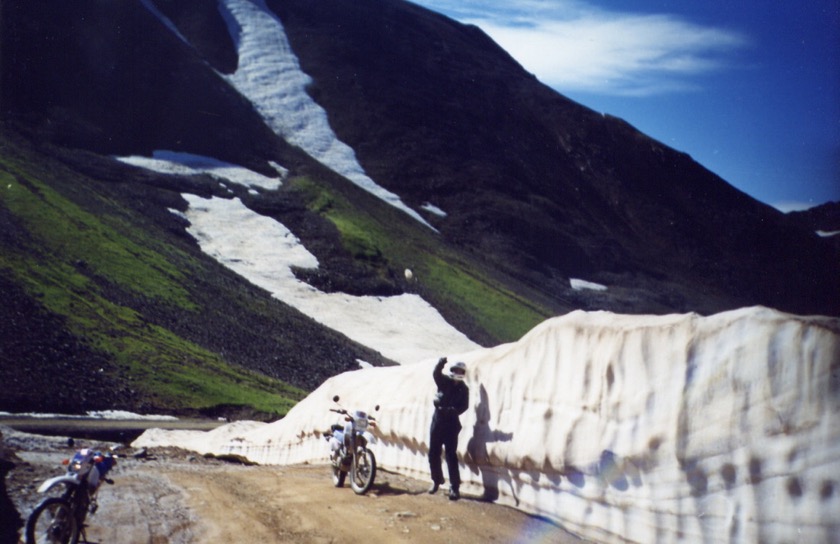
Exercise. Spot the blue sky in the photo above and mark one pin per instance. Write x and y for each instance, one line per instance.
(749, 89)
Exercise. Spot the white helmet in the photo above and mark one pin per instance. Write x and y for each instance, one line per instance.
(458, 371)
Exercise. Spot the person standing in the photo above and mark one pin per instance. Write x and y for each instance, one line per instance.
(452, 400)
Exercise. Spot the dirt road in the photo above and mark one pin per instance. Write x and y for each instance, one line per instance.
(177, 497)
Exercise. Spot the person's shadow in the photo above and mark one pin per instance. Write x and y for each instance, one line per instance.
(478, 458)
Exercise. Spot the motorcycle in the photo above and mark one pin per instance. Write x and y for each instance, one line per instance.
(61, 519)
(349, 452)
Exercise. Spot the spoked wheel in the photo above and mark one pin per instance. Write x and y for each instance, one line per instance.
(363, 471)
(52, 522)
(338, 476)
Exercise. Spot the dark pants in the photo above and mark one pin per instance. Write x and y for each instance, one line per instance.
(444, 435)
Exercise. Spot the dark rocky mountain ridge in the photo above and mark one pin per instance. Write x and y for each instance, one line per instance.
(530, 176)
(537, 189)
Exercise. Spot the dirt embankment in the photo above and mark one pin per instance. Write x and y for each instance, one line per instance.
(173, 496)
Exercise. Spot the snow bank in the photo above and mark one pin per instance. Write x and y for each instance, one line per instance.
(621, 428)
(203, 442)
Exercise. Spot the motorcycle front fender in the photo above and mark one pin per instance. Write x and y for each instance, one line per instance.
(67, 480)
(371, 440)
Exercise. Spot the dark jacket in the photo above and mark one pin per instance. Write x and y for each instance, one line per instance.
(452, 398)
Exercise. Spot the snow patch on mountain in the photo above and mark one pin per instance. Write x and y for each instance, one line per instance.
(579, 284)
(431, 208)
(269, 75)
(188, 164)
(149, 5)
(404, 328)
(620, 428)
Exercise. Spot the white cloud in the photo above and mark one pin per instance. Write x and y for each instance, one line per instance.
(575, 47)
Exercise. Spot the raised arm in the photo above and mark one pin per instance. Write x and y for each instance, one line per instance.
(438, 373)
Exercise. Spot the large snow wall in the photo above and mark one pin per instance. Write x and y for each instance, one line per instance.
(619, 428)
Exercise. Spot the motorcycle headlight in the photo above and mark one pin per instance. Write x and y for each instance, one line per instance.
(360, 419)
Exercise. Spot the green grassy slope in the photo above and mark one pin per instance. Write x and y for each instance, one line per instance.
(387, 242)
(81, 262)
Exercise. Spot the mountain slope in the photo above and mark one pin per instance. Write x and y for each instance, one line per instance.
(542, 187)
(535, 181)
(93, 287)
(525, 189)
(232, 323)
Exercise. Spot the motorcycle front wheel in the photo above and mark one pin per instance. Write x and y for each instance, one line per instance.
(53, 522)
(338, 476)
(363, 471)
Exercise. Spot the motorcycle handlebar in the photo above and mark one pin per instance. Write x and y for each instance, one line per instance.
(344, 412)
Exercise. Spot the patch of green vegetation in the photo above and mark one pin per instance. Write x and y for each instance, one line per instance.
(355, 238)
(360, 234)
(166, 369)
(183, 375)
(64, 232)
(74, 262)
(499, 311)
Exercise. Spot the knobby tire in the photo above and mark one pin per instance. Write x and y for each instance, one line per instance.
(363, 472)
(338, 476)
(54, 515)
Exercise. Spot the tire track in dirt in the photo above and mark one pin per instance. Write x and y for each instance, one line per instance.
(171, 496)
(299, 504)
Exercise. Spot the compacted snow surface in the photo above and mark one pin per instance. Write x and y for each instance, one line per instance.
(620, 428)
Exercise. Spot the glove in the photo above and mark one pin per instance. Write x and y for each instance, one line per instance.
(441, 361)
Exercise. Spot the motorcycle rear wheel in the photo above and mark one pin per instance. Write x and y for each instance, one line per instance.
(363, 471)
(53, 522)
